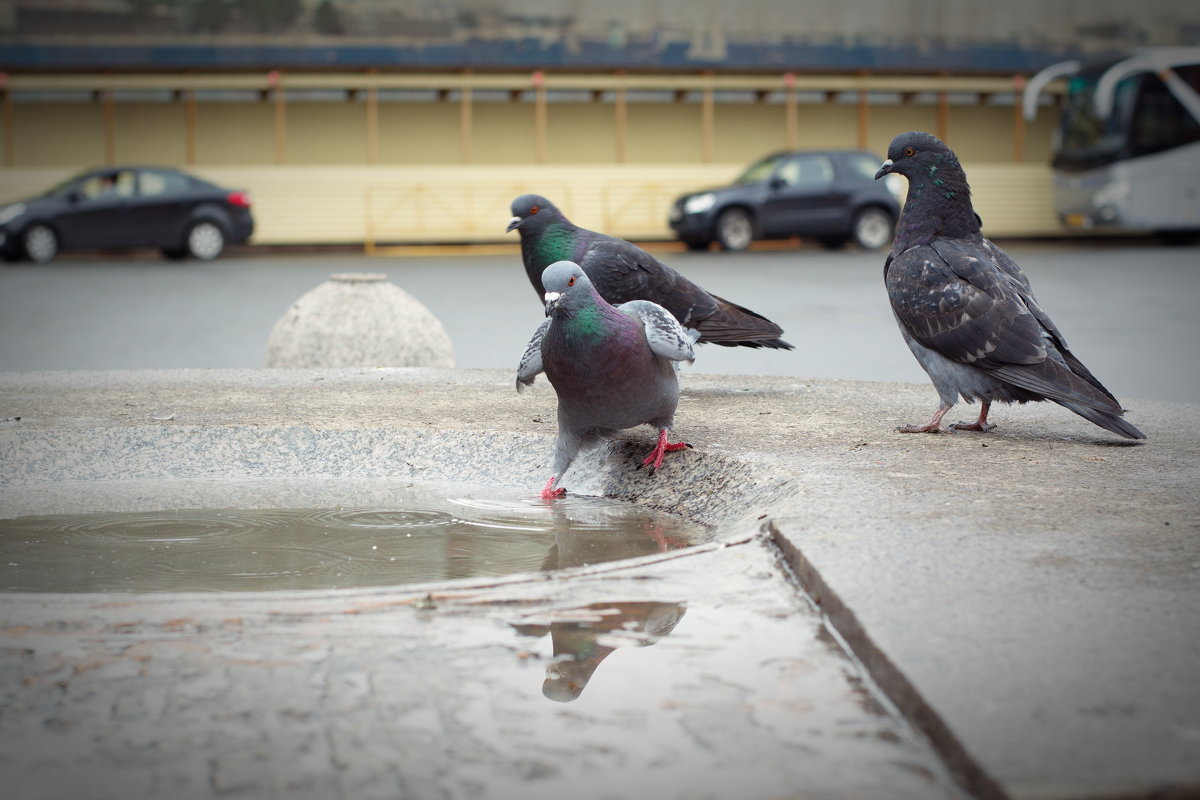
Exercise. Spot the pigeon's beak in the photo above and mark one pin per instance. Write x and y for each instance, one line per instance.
(552, 299)
(886, 169)
(513, 223)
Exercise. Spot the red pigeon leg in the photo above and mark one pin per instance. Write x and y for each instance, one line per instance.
(655, 459)
(549, 492)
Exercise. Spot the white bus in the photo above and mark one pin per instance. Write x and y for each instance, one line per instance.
(1127, 150)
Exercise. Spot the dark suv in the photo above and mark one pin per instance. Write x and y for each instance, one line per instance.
(831, 195)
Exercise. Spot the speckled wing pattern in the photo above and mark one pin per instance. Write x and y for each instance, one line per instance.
(954, 298)
(666, 337)
(531, 360)
(970, 302)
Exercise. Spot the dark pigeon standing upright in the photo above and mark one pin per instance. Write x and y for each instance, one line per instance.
(622, 271)
(613, 367)
(966, 309)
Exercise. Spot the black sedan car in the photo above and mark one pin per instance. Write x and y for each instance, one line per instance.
(829, 195)
(127, 207)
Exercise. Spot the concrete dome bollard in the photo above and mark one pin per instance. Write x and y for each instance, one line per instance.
(358, 320)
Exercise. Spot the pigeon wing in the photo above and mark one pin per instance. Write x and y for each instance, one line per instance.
(1050, 329)
(531, 360)
(622, 271)
(962, 306)
(666, 337)
(972, 304)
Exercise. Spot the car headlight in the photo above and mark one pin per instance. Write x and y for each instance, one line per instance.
(9, 213)
(699, 203)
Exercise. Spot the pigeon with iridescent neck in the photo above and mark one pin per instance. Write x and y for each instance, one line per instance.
(622, 271)
(966, 310)
(613, 367)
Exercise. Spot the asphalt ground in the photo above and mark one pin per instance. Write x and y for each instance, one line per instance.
(1126, 307)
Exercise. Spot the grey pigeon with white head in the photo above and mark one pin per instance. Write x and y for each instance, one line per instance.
(622, 271)
(613, 367)
(966, 310)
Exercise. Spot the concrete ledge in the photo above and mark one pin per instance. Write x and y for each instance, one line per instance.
(1026, 597)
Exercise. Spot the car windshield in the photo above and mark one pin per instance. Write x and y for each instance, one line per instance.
(759, 171)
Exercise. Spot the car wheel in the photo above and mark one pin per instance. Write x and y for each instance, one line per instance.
(735, 229)
(40, 243)
(872, 228)
(205, 240)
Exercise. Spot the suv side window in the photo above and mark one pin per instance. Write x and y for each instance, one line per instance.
(806, 170)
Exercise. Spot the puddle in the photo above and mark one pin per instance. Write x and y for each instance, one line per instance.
(179, 537)
(582, 638)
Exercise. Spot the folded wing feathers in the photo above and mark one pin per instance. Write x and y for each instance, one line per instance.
(665, 336)
(531, 360)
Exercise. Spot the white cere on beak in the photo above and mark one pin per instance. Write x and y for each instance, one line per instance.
(552, 296)
(887, 163)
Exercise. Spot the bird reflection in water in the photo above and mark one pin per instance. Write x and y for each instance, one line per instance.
(583, 545)
(584, 637)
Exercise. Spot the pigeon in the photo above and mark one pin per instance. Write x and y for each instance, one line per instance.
(621, 271)
(966, 310)
(613, 367)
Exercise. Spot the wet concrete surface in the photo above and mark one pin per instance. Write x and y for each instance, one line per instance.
(697, 676)
(1020, 605)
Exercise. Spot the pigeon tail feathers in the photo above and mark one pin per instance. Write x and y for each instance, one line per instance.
(1109, 421)
(739, 326)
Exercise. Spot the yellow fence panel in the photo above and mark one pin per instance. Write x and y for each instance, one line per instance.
(373, 206)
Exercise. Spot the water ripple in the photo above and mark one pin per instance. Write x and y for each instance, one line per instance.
(421, 538)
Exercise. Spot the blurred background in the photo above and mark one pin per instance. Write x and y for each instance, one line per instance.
(364, 135)
(384, 121)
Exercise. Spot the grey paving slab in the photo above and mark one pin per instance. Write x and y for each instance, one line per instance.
(1026, 598)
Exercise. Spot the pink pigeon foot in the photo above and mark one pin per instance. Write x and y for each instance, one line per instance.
(933, 426)
(655, 459)
(549, 492)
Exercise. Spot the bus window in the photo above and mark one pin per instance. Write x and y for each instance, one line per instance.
(1160, 121)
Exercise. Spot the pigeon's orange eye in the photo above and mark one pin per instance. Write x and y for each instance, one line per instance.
(571, 281)
(908, 151)
(534, 210)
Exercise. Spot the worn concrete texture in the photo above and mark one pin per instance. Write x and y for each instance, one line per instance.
(1025, 600)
